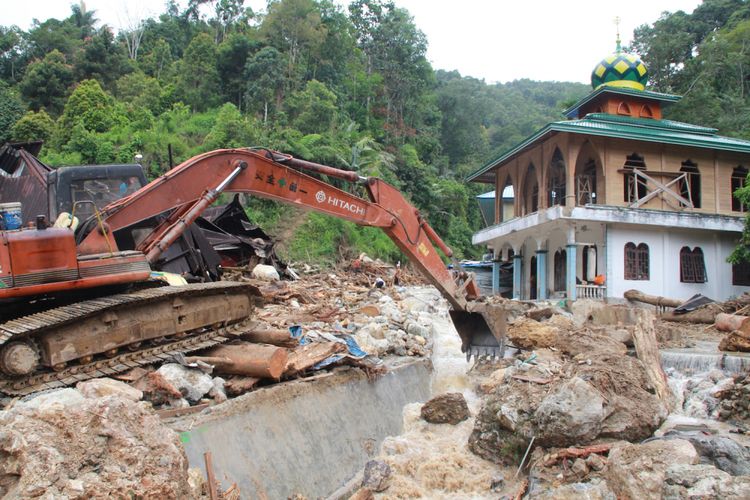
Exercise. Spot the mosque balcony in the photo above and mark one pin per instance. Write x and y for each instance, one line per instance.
(543, 220)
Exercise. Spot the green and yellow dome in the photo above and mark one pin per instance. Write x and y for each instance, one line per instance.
(620, 70)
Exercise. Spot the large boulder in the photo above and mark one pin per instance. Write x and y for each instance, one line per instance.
(65, 446)
(703, 481)
(720, 451)
(450, 408)
(638, 471)
(570, 415)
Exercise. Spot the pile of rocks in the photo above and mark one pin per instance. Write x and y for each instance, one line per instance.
(580, 388)
(735, 400)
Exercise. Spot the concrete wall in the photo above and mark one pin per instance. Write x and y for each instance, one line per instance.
(308, 436)
(664, 266)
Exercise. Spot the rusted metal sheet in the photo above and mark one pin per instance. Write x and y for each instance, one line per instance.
(23, 179)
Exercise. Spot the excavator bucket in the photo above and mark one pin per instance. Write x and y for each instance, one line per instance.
(482, 331)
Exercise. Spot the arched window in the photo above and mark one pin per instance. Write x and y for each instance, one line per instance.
(739, 175)
(690, 188)
(586, 183)
(634, 186)
(530, 191)
(623, 109)
(692, 265)
(646, 111)
(636, 262)
(560, 266)
(556, 183)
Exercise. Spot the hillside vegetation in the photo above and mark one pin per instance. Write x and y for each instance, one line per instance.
(348, 87)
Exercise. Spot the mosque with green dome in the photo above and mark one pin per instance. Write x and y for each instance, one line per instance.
(615, 197)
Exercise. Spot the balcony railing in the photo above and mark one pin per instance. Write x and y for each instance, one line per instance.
(591, 292)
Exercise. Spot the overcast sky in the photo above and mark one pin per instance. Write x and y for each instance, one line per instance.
(497, 40)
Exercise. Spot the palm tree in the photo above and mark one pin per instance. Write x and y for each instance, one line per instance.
(83, 19)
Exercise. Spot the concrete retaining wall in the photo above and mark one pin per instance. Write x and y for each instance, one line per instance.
(308, 436)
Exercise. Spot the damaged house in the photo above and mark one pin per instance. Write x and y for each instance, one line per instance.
(616, 197)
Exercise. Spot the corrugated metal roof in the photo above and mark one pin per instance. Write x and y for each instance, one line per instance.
(624, 127)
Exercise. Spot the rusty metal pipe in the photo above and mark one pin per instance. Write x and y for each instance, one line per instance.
(180, 226)
(435, 239)
(346, 175)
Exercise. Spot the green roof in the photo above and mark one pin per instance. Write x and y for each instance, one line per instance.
(624, 127)
(572, 112)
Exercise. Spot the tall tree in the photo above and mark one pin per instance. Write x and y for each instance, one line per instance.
(83, 19)
(13, 55)
(395, 48)
(33, 126)
(265, 76)
(102, 58)
(11, 110)
(232, 57)
(46, 82)
(294, 27)
(198, 78)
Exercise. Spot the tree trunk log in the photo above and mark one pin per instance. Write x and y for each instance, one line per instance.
(647, 349)
(277, 337)
(654, 300)
(706, 314)
(729, 322)
(252, 360)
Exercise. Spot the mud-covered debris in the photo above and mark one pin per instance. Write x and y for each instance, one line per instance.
(111, 447)
(737, 341)
(735, 398)
(450, 408)
(102, 387)
(529, 333)
(362, 494)
(377, 476)
(192, 384)
(157, 389)
(594, 490)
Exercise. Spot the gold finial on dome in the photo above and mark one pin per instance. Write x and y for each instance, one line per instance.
(617, 25)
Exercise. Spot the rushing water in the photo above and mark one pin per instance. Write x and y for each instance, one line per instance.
(433, 460)
(703, 357)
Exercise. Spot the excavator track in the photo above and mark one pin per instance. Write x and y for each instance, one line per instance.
(176, 319)
(107, 367)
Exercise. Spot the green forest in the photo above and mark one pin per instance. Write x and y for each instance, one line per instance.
(348, 87)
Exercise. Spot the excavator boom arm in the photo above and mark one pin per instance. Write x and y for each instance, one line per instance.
(185, 191)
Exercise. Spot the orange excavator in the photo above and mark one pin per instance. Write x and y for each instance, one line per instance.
(118, 247)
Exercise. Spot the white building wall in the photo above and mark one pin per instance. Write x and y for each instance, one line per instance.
(664, 262)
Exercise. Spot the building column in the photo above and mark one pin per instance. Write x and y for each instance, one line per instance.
(496, 261)
(570, 251)
(517, 275)
(541, 274)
